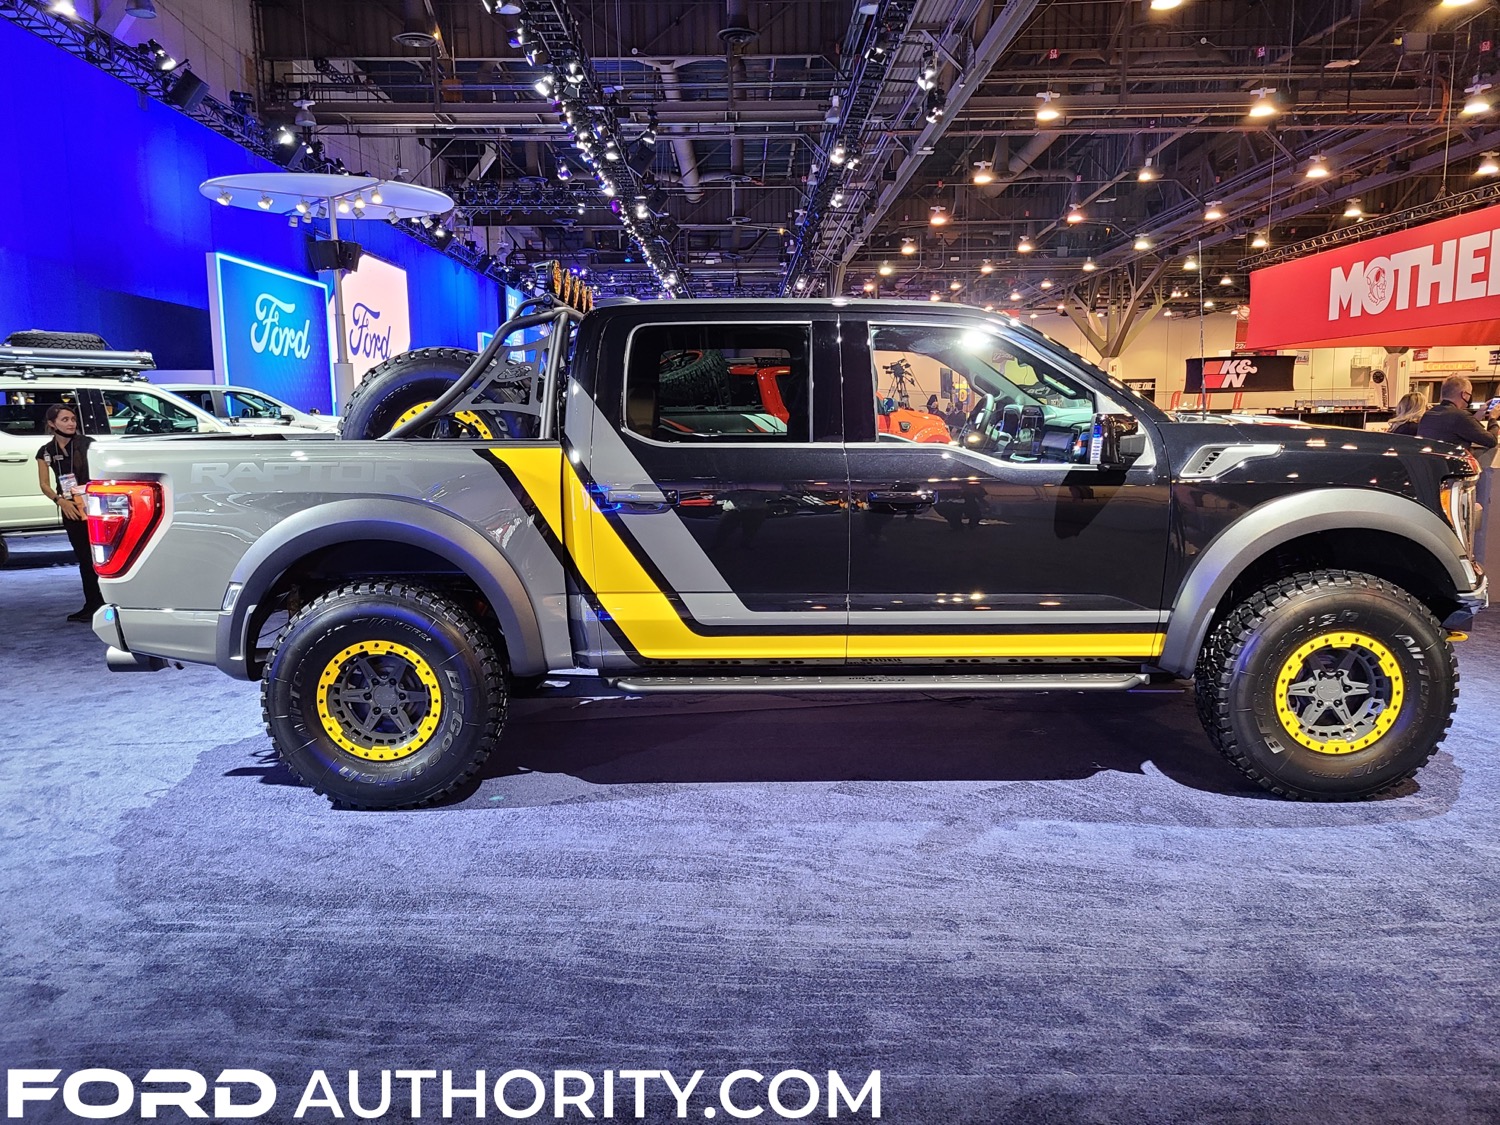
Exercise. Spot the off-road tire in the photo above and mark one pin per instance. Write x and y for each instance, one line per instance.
(1237, 686)
(439, 634)
(700, 381)
(407, 380)
(60, 341)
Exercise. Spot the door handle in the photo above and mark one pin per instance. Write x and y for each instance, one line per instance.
(901, 498)
(13, 460)
(640, 499)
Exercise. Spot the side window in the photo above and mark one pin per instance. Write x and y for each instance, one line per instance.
(201, 399)
(958, 384)
(134, 411)
(23, 413)
(720, 382)
(238, 404)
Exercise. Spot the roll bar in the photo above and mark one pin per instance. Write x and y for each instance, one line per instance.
(543, 379)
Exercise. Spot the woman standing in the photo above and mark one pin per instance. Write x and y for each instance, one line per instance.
(65, 460)
(1409, 410)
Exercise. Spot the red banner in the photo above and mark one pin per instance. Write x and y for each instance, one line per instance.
(1435, 284)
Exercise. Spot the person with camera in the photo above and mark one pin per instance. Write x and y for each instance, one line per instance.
(64, 462)
(1450, 419)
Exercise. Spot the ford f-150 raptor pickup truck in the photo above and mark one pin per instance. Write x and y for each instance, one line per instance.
(697, 496)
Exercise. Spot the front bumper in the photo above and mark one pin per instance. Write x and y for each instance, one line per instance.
(1471, 603)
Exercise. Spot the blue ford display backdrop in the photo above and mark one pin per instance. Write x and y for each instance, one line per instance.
(133, 270)
(272, 332)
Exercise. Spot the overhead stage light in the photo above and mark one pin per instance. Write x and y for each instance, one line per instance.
(982, 173)
(1047, 111)
(1141, 243)
(1261, 241)
(1488, 165)
(1477, 101)
(1265, 102)
(1318, 169)
(1025, 246)
(1214, 212)
(1147, 173)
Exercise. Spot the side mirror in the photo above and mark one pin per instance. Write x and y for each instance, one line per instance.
(288, 417)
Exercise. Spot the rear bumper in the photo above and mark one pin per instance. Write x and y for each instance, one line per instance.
(147, 639)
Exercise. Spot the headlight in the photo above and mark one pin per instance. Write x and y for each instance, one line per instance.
(1458, 506)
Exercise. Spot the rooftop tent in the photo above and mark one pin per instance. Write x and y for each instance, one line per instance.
(1431, 285)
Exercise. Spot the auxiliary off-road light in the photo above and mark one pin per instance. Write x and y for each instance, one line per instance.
(121, 516)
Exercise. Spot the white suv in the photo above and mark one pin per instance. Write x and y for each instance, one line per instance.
(251, 409)
(108, 408)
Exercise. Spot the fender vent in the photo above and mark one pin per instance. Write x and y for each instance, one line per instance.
(1211, 461)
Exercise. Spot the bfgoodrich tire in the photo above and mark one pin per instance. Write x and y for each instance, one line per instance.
(383, 695)
(1328, 686)
(396, 389)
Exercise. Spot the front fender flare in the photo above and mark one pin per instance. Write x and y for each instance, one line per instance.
(1280, 521)
(391, 520)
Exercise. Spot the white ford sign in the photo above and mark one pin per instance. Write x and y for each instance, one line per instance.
(377, 317)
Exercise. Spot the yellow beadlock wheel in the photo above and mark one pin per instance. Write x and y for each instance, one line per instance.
(1339, 693)
(467, 417)
(379, 700)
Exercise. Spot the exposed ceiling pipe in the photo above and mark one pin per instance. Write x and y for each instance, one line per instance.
(419, 27)
(1000, 35)
(1019, 164)
(682, 147)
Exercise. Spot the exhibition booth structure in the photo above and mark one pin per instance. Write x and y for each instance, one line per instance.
(1425, 301)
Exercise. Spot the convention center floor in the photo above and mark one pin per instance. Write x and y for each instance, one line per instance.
(1058, 908)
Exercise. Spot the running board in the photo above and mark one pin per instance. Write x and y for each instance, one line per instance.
(1079, 681)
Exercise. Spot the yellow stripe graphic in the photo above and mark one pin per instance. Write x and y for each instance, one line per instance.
(654, 629)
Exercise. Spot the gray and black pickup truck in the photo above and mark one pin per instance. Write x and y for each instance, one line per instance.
(741, 496)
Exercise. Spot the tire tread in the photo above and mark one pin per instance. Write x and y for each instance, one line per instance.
(443, 609)
(1217, 662)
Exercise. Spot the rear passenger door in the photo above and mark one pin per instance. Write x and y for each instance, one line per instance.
(718, 474)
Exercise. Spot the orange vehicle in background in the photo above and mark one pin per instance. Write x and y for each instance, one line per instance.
(894, 414)
(914, 425)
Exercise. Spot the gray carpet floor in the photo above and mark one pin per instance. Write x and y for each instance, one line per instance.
(1060, 908)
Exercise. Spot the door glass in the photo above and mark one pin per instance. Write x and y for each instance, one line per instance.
(241, 404)
(719, 383)
(134, 411)
(961, 384)
(23, 413)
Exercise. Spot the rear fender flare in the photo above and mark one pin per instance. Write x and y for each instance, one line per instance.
(391, 520)
(1279, 521)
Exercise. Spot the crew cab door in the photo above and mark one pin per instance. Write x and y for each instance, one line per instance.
(997, 543)
(716, 483)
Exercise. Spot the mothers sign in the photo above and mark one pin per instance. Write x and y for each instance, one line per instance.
(1434, 284)
(271, 332)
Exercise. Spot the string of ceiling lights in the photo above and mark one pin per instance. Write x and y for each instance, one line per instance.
(1264, 103)
(839, 180)
(549, 35)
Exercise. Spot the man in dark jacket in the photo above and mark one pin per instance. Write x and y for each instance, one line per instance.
(1451, 421)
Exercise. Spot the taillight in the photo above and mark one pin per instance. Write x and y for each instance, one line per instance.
(122, 515)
